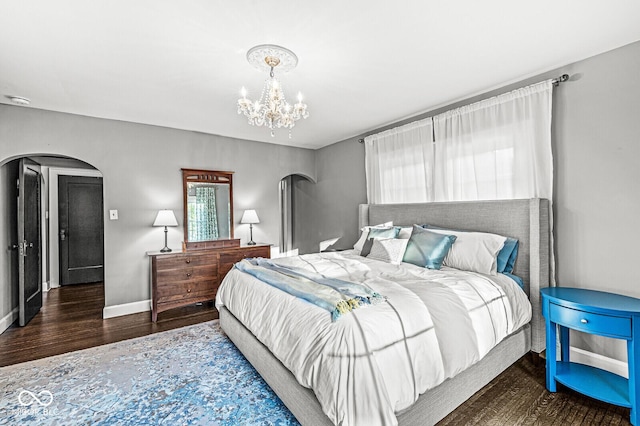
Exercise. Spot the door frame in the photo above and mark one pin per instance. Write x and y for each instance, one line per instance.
(26, 310)
(54, 247)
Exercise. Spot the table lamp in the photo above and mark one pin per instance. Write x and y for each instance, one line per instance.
(165, 218)
(250, 217)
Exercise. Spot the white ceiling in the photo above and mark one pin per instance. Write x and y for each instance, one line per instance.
(362, 63)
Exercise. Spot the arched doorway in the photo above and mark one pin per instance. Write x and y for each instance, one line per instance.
(50, 167)
(293, 204)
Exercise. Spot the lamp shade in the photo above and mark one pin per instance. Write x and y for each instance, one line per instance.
(250, 216)
(165, 218)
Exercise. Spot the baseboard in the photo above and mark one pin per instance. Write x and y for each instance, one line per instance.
(9, 319)
(126, 309)
(600, 361)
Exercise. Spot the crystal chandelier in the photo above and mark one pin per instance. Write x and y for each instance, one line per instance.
(272, 109)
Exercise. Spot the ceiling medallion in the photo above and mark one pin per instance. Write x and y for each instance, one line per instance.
(272, 109)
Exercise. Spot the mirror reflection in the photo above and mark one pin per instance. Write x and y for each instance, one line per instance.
(208, 205)
(208, 211)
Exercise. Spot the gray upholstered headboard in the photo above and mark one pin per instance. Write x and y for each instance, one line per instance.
(525, 220)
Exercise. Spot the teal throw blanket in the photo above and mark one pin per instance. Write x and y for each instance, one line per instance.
(335, 295)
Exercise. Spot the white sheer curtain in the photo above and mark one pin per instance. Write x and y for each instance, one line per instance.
(399, 164)
(499, 148)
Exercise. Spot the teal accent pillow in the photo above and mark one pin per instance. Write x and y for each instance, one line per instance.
(507, 255)
(427, 249)
(378, 233)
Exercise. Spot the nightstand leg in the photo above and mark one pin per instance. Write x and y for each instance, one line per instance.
(633, 357)
(564, 344)
(551, 356)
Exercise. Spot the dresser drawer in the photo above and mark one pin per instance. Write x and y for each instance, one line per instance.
(192, 289)
(233, 256)
(605, 325)
(185, 261)
(229, 258)
(189, 273)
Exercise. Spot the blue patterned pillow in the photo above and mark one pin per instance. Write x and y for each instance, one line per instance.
(427, 249)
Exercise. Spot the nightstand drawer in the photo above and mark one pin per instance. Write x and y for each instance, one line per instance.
(605, 325)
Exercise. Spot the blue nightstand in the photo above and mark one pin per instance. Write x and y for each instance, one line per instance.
(593, 312)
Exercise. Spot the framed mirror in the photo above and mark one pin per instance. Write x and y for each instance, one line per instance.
(208, 208)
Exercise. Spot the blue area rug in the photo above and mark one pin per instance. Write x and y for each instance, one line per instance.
(188, 376)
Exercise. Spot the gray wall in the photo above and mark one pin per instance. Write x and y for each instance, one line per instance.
(597, 160)
(596, 132)
(141, 168)
(334, 199)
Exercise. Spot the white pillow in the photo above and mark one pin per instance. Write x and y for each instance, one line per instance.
(473, 251)
(365, 233)
(390, 250)
(405, 232)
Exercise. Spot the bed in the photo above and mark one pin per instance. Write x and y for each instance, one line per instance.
(525, 220)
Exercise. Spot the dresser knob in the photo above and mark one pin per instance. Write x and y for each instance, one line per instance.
(188, 290)
(188, 260)
(584, 321)
(188, 274)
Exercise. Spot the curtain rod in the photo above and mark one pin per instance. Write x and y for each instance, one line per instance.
(561, 79)
(556, 82)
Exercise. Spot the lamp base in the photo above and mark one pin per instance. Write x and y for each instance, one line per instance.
(251, 242)
(166, 248)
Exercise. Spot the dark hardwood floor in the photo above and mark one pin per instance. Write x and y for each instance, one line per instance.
(71, 319)
(519, 396)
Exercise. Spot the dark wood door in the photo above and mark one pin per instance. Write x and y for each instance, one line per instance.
(81, 229)
(29, 265)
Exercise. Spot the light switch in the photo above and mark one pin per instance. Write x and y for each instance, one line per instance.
(113, 214)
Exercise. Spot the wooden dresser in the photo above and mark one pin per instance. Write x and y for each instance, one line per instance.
(185, 278)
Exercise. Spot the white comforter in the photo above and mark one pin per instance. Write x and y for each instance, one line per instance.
(377, 360)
